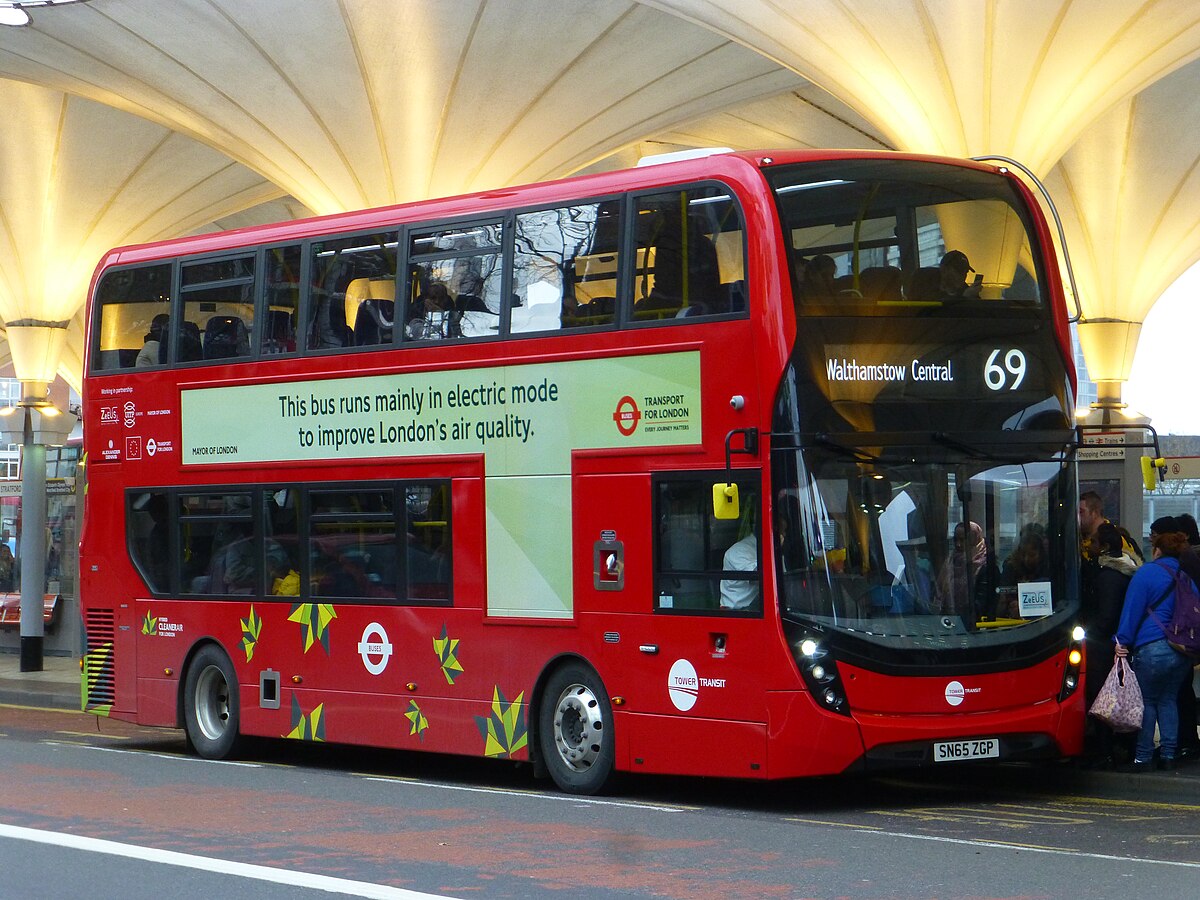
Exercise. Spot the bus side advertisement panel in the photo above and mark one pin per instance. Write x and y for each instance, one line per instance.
(524, 420)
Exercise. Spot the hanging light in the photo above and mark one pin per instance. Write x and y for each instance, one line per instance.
(13, 12)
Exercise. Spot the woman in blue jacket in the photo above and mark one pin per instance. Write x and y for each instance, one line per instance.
(1160, 670)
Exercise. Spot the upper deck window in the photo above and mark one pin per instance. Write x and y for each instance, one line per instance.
(134, 309)
(218, 309)
(352, 295)
(565, 267)
(889, 237)
(690, 255)
(454, 282)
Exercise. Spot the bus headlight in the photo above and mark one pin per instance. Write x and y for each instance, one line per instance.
(820, 674)
(1070, 681)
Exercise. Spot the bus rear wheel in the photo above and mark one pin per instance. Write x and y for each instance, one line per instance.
(210, 704)
(575, 730)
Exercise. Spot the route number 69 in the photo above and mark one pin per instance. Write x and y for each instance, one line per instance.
(997, 378)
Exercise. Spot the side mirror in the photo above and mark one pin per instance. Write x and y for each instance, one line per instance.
(725, 501)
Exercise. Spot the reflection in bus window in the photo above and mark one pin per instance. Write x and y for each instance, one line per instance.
(282, 299)
(898, 546)
(690, 257)
(149, 540)
(428, 541)
(217, 546)
(352, 291)
(352, 543)
(129, 300)
(565, 268)
(454, 283)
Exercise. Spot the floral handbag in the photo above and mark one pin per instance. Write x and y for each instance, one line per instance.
(1119, 703)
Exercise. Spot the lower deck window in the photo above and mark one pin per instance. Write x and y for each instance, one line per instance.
(387, 543)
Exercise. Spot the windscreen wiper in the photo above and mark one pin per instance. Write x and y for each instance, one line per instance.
(1021, 442)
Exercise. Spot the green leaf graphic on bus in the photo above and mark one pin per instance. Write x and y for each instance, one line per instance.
(314, 619)
(447, 651)
(504, 730)
(251, 629)
(150, 624)
(307, 727)
(419, 722)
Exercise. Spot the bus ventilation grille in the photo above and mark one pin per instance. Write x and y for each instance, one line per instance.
(99, 664)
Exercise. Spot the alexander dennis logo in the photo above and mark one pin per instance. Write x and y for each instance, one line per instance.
(627, 416)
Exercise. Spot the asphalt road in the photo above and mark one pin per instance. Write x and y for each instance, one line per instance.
(112, 810)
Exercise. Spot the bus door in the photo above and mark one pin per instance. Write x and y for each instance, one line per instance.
(689, 663)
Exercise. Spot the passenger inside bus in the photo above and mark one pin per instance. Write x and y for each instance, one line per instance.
(687, 274)
(967, 579)
(819, 275)
(742, 556)
(1029, 561)
(154, 350)
(953, 271)
(285, 580)
(432, 315)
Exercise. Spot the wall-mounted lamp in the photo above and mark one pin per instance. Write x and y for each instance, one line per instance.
(47, 426)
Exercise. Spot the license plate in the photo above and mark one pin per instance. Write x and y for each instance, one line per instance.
(956, 751)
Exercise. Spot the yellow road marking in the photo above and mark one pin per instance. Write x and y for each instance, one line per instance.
(89, 734)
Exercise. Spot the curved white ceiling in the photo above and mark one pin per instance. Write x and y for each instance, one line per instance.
(349, 103)
(78, 178)
(1012, 77)
(370, 102)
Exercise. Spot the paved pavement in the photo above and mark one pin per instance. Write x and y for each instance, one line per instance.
(56, 686)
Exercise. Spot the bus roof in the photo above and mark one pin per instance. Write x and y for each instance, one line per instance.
(731, 165)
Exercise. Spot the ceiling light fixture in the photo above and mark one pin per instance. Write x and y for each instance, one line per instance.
(13, 12)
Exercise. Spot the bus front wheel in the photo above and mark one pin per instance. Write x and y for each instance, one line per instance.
(211, 704)
(575, 730)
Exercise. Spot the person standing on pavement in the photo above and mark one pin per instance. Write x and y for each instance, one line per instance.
(1189, 560)
(1141, 636)
(1103, 598)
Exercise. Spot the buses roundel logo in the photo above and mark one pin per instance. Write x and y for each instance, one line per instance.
(374, 648)
(627, 416)
(955, 693)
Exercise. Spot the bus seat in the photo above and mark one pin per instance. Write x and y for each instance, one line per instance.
(225, 336)
(373, 322)
(121, 358)
(281, 332)
(926, 284)
(190, 345)
(736, 290)
(880, 283)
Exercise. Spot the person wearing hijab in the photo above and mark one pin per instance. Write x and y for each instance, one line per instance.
(966, 573)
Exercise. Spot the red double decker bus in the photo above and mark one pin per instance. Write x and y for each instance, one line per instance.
(748, 465)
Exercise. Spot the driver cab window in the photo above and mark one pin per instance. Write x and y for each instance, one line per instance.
(705, 564)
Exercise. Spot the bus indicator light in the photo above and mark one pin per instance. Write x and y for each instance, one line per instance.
(627, 416)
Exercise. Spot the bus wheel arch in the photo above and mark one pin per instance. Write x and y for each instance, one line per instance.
(209, 699)
(575, 738)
